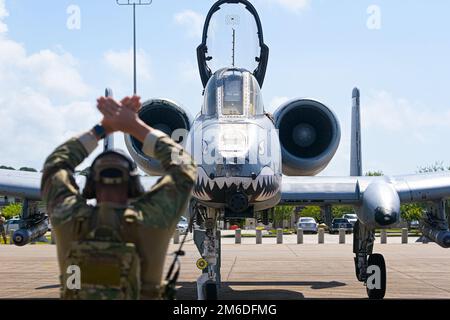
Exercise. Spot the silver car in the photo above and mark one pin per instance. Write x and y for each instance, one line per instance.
(182, 225)
(308, 224)
(351, 217)
(12, 225)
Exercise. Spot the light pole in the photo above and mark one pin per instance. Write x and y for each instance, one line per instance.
(134, 3)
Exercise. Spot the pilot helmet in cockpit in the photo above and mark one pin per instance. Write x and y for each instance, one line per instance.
(232, 93)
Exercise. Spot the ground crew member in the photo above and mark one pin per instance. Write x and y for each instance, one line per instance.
(119, 245)
(2, 227)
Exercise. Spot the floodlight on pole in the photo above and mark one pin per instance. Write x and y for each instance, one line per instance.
(134, 3)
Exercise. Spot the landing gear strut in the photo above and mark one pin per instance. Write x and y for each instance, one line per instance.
(370, 267)
(207, 240)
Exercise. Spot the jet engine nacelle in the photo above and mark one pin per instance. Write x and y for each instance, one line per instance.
(164, 115)
(309, 136)
(380, 206)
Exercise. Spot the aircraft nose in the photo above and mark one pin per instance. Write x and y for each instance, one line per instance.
(385, 217)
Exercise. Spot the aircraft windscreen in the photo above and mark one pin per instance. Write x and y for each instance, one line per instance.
(232, 38)
(232, 97)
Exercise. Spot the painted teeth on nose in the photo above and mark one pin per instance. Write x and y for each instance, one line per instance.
(220, 182)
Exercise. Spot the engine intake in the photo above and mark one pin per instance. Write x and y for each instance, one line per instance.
(164, 115)
(309, 135)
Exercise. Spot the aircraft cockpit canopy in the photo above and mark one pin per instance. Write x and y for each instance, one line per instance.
(233, 93)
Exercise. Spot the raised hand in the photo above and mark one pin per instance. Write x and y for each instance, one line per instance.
(117, 117)
(133, 103)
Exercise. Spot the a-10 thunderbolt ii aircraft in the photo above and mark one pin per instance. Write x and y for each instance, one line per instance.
(250, 161)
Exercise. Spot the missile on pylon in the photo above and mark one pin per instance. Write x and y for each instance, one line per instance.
(26, 235)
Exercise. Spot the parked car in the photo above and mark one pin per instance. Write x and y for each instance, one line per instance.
(12, 225)
(182, 225)
(341, 223)
(351, 217)
(414, 224)
(308, 224)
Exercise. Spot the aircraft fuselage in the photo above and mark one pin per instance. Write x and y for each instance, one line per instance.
(239, 162)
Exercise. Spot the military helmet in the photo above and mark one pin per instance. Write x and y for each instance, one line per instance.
(113, 167)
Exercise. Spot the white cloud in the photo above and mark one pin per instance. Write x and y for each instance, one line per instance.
(33, 125)
(192, 21)
(56, 72)
(383, 110)
(122, 63)
(3, 14)
(43, 100)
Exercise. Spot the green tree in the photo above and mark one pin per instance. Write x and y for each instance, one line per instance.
(14, 209)
(28, 169)
(339, 211)
(374, 173)
(411, 211)
(311, 211)
(7, 168)
(282, 213)
(435, 167)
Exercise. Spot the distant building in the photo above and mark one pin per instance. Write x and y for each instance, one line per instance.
(5, 200)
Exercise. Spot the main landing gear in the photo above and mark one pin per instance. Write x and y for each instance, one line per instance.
(207, 240)
(370, 267)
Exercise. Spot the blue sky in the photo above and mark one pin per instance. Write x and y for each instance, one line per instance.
(50, 75)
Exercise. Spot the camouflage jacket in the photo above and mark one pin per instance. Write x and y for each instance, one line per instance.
(155, 213)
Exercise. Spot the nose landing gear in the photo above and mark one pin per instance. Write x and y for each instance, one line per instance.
(207, 240)
(370, 267)
(376, 282)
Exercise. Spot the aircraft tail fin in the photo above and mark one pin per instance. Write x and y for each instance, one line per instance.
(355, 151)
(108, 142)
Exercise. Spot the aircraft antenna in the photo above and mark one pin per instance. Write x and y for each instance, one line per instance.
(108, 142)
(134, 3)
(234, 47)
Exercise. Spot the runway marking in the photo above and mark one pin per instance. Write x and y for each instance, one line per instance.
(231, 269)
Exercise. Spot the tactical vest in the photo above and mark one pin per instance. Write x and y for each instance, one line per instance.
(108, 265)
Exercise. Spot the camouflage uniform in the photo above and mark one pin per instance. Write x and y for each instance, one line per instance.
(148, 222)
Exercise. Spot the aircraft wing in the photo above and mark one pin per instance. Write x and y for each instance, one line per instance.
(27, 185)
(20, 184)
(350, 190)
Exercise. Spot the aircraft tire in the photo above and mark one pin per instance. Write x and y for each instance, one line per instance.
(210, 291)
(378, 260)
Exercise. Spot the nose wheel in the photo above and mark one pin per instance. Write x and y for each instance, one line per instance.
(370, 267)
(376, 282)
(210, 291)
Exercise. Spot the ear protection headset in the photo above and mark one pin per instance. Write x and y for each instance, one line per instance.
(118, 161)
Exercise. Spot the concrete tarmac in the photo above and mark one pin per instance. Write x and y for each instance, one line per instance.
(267, 271)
